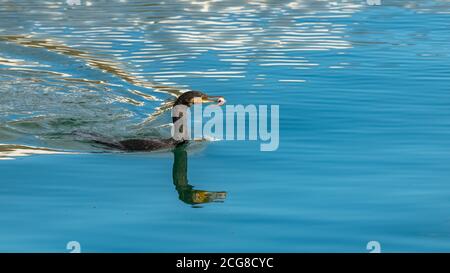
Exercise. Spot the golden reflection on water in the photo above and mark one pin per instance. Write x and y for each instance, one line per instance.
(107, 66)
(11, 151)
(149, 45)
(127, 40)
(104, 65)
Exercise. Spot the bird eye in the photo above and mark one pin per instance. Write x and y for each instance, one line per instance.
(220, 101)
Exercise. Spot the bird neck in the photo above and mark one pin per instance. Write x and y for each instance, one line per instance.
(179, 120)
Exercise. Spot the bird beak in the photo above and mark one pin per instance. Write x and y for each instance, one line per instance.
(216, 99)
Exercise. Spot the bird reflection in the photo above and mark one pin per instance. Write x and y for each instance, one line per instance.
(186, 192)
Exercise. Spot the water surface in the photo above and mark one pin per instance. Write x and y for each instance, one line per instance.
(364, 118)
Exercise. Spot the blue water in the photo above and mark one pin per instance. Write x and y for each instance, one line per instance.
(364, 125)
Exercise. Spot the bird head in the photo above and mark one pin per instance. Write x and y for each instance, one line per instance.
(196, 97)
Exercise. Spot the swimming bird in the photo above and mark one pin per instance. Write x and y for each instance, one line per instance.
(136, 145)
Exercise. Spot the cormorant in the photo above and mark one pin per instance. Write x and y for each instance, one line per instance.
(136, 145)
